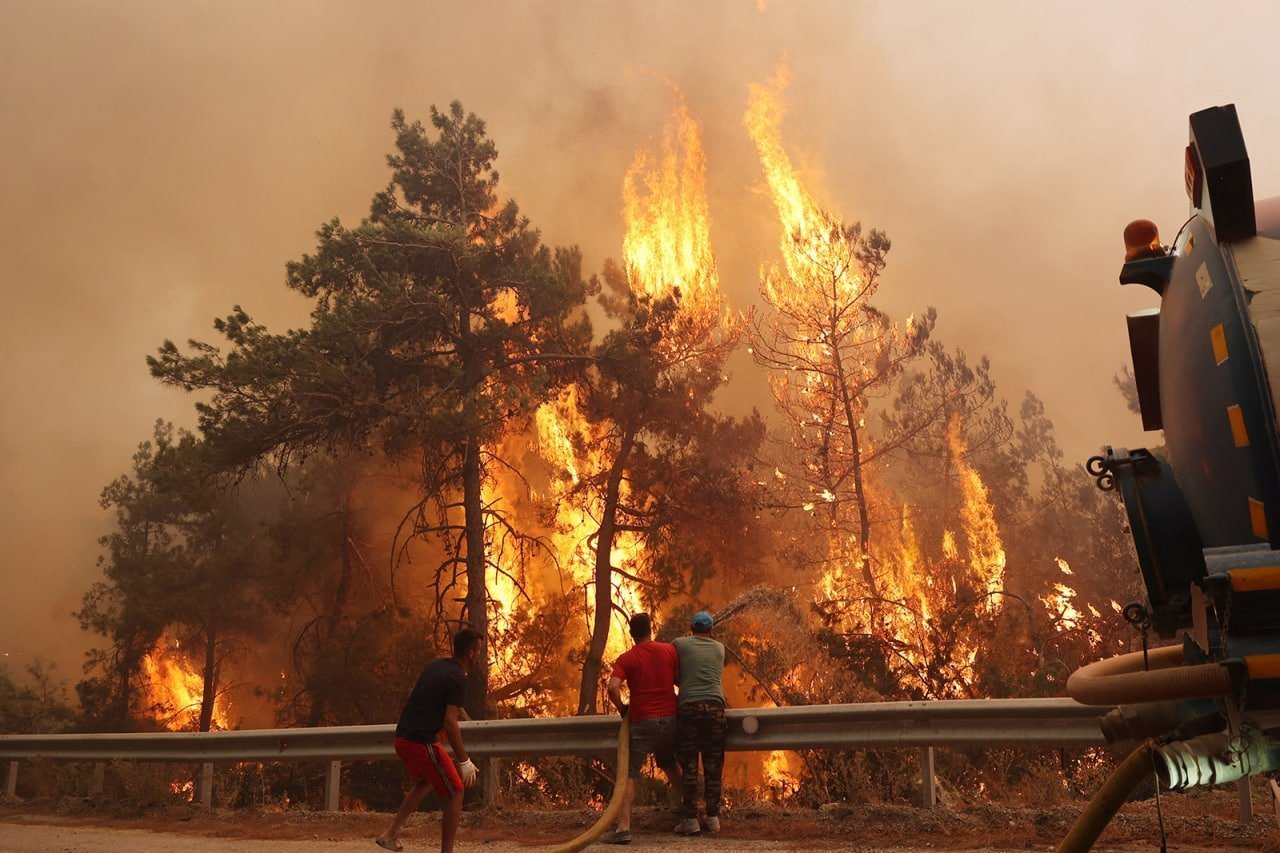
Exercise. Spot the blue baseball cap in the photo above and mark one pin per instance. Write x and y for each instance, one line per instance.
(702, 621)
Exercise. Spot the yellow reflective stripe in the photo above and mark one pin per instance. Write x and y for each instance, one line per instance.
(1254, 580)
(1219, 338)
(1263, 666)
(1258, 516)
(1238, 432)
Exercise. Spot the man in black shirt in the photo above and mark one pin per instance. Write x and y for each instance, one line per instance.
(435, 704)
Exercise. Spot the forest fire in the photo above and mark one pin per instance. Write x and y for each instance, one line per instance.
(667, 255)
(847, 542)
(886, 588)
(175, 690)
(575, 449)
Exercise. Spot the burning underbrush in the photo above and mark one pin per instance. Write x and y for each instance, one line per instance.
(175, 691)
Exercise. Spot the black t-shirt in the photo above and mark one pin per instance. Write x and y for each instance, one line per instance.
(442, 683)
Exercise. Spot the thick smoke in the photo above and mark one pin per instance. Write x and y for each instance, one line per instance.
(162, 161)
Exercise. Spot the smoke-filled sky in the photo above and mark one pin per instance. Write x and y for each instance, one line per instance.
(160, 161)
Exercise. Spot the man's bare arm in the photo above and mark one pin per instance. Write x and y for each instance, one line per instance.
(454, 733)
(615, 694)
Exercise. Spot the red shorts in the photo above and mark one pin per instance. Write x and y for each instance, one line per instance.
(430, 761)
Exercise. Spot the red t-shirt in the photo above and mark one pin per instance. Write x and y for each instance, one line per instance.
(650, 670)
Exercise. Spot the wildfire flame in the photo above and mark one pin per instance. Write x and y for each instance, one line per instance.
(667, 246)
(823, 289)
(814, 247)
(176, 687)
(576, 448)
(982, 536)
(1061, 605)
(666, 253)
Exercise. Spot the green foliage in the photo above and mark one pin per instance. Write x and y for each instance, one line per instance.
(436, 320)
(37, 704)
(181, 560)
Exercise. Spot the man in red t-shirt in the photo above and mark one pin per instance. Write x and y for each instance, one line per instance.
(650, 670)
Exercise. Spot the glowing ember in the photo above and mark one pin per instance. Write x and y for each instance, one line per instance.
(1060, 603)
(779, 773)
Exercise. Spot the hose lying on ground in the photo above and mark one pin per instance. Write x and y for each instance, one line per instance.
(1131, 773)
(610, 813)
(1123, 679)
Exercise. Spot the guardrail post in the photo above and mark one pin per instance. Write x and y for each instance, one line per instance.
(11, 781)
(99, 778)
(206, 785)
(928, 788)
(492, 789)
(1246, 800)
(332, 779)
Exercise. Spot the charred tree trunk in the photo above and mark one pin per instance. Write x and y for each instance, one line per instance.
(603, 576)
(209, 692)
(323, 679)
(476, 604)
(864, 518)
(130, 663)
(477, 611)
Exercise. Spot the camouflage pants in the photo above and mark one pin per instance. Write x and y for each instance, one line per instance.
(700, 731)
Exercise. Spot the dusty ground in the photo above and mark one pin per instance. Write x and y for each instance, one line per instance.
(1201, 823)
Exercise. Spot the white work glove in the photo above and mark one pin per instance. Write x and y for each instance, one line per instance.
(467, 770)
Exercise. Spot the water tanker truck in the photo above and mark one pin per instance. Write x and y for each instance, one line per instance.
(1204, 510)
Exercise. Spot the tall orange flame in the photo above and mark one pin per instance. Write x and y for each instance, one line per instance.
(667, 245)
(813, 243)
(666, 253)
(822, 290)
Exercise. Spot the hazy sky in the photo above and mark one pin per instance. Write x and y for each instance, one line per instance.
(161, 161)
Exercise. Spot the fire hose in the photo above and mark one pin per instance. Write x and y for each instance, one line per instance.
(610, 812)
(1131, 773)
(1160, 675)
(1123, 678)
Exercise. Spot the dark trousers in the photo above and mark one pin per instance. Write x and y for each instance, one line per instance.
(700, 731)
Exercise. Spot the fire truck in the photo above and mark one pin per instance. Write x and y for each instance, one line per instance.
(1204, 510)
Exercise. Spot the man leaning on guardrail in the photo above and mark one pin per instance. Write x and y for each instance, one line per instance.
(700, 723)
(435, 704)
(649, 669)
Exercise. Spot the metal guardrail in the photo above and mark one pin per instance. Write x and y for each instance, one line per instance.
(989, 723)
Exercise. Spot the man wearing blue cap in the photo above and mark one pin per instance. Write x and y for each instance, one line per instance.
(700, 723)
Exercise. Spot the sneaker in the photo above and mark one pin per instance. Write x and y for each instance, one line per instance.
(713, 823)
(618, 836)
(688, 826)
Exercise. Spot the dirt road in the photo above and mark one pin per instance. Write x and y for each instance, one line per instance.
(38, 838)
(42, 837)
(1200, 824)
